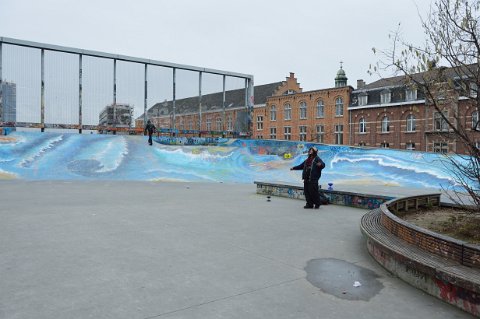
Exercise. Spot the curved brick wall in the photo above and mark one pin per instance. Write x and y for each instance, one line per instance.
(444, 246)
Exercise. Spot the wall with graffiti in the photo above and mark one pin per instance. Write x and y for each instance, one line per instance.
(54, 156)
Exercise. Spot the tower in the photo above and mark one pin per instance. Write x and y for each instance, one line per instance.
(341, 78)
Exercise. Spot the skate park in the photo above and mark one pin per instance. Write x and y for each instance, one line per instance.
(103, 225)
(84, 233)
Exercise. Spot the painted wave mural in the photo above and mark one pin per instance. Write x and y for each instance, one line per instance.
(56, 156)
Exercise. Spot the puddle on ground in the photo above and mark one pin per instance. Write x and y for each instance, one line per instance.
(336, 277)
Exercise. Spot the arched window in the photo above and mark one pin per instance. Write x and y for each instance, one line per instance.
(475, 123)
(411, 123)
(339, 106)
(303, 110)
(219, 124)
(273, 113)
(385, 124)
(362, 126)
(320, 109)
(287, 112)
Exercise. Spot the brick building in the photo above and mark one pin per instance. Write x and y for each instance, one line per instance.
(318, 115)
(232, 120)
(391, 113)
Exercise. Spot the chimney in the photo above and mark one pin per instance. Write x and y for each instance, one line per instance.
(360, 84)
(292, 75)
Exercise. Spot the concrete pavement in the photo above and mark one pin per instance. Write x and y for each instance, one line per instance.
(189, 250)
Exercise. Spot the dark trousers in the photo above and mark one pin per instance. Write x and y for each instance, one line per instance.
(310, 189)
(150, 139)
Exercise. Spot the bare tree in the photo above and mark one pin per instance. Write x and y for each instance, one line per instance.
(446, 68)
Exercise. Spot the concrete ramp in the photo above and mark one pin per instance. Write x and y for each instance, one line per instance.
(57, 156)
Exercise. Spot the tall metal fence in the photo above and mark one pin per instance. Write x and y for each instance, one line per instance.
(51, 87)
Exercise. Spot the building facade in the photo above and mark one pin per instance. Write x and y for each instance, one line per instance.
(8, 102)
(214, 119)
(391, 113)
(315, 116)
(116, 115)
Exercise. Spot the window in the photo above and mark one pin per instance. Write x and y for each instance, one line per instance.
(362, 126)
(475, 123)
(260, 137)
(209, 123)
(385, 97)
(303, 133)
(273, 113)
(190, 124)
(339, 107)
(273, 133)
(411, 123)
(287, 112)
(363, 99)
(229, 123)
(320, 109)
(181, 126)
(219, 124)
(303, 110)
(385, 124)
(477, 145)
(339, 134)
(473, 89)
(440, 147)
(361, 144)
(439, 123)
(320, 133)
(385, 145)
(410, 146)
(287, 133)
(410, 94)
(259, 123)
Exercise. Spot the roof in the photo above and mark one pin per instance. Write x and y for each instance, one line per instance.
(213, 101)
(402, 80)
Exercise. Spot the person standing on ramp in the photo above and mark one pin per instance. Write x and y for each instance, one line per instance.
(312, 171)
(150, 129)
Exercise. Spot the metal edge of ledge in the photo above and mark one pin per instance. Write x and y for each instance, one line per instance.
(326, 190)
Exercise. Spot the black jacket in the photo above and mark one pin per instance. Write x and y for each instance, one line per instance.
(316, 171)
(150, 128)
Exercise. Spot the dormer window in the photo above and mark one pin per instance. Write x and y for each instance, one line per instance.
(385, 97)
(410, 94)
(288, 92)
(473, 89)
(362, 99)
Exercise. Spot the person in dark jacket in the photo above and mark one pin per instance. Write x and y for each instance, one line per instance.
(150, 129)
(312, 171)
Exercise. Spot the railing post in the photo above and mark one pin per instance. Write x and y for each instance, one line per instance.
(114, 96)
(200, 76)
(174, 98)
(145, 96)
(223, 103)
(1, 84)
(42, 90)
(80, 89)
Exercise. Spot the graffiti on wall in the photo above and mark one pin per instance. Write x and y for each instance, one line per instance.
(27, 155)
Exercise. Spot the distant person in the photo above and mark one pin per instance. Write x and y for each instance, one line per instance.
(150, 129)
(312, 171)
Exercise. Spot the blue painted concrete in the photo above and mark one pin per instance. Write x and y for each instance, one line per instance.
(56, 156)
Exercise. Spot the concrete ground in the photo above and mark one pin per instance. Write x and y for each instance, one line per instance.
(187, 250)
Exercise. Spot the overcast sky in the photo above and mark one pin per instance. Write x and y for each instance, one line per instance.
(265, 38)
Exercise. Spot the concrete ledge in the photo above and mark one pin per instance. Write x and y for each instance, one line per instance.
(422, 258)
(366, 201)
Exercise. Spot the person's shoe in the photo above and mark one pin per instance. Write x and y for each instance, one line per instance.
(316, 206)
(307, 206)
